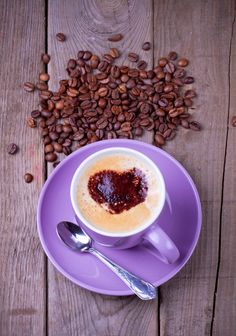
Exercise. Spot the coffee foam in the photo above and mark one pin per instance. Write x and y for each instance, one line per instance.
(129, 220)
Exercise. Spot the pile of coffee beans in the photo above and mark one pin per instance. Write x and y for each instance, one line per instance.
(104, 100)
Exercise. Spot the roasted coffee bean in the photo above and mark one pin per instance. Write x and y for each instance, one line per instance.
(167, 133)
(184, 123)
(178, 102)
(12, 148)
(188, 102)
(138, 131)
(179, 73)
(159, 139)
(29, 87)
(162, 62)
(133, 57)
(114, 53)
(171, 136)
(53, 135)
(48, 148)
(134, 73)
(46, 140)
(94, 61)
(61, 37)
(195, 126)
(190, 94)
(28, 178)
(182, 62)
(188, 80)
(170, 68)
(71, 64)
(51, 157)
(45, 58)
(55, 164)
(67, 143)
(115, 38)
(44, 77)
(35, 114)
(233, 121)
(87, 55)
(146, 46)
(31, 122)
(141, 65)
(42, 86)
(172, 56)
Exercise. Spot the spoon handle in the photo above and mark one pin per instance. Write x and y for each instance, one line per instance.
(144, 290)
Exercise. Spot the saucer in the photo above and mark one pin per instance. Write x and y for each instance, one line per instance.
(181, 220)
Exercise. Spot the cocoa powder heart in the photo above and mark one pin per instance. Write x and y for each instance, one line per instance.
(118, 191)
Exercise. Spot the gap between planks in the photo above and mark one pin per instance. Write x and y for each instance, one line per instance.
(223, 176)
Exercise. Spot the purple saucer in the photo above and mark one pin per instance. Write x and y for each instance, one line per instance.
(181, 219)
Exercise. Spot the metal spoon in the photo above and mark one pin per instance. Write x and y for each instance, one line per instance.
(74, 237)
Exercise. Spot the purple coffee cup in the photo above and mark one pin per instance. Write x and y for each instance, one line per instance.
(150, 231)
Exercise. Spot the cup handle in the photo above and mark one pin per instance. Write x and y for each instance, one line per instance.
(162, 242)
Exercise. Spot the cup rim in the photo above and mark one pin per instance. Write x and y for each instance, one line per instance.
(73, 188)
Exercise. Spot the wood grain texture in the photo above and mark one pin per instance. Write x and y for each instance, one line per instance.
(200, 31)
(225, 307)
(22, 304)
(87, 25)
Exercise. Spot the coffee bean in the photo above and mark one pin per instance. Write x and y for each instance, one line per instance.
(170, 67)
(167, 133)
(28, 178)
(115, 38)
(233, 121)
(29, 87)
(182, 62)
(12, 148)
(103, 91)
(94, 61)
(51, 157)
(162, 62)
(141, 65)
(184, 123)
(114, 53)
(159, 139)
(190, 94)
(171, 136)
(45, 58)
(146, 46)
(55, 164)
(188, 102)
(133, 57)
(87, 55)
(54, 136)
(48, 148)
(60, 37)
(35, 114)
(172, 56)
(31, 122)
(188, 80)
(42, 86)
(195, 126)
(134, 73)
(44, 77)
(179, 73)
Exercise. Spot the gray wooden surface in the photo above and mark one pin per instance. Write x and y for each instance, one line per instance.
(34, 298)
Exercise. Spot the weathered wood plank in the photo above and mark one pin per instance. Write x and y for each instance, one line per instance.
(87, 24)
(22, 304)
(225, 307)
(200, 31)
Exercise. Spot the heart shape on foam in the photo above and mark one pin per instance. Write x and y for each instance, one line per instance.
(118, 191)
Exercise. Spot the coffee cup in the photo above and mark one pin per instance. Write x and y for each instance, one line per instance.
(117, 195)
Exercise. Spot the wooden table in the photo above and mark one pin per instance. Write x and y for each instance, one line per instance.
(35, 299)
